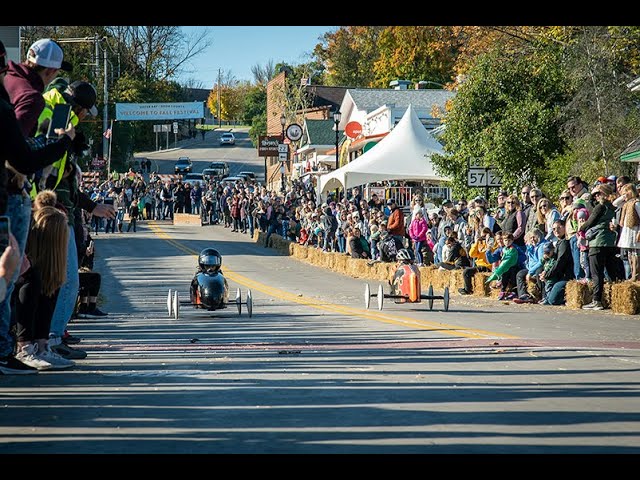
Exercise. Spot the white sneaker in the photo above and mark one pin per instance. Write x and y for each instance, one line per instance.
(56, 361)
(27, 355)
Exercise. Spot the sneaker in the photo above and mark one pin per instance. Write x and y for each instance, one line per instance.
(27, 355)
(593, 306)
(523, 299)
(510, 296)
(10, 366)
(56, 361)
(65, 351)
(463, 291)
(95, 313)
(70, 339)
(502, 295)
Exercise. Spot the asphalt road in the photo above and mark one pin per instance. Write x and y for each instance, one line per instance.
(241, 157)
(314, 372)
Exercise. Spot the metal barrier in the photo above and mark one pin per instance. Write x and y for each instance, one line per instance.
(403, 195)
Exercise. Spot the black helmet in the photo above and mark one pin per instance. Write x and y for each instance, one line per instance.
(209, 259)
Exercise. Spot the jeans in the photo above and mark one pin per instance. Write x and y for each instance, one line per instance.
(438, 255)
(195, 206)
(578, 272)
(19, 213)
(555, 296)
(342, 243)
(273, 228)
(417, 245)
(68, 293)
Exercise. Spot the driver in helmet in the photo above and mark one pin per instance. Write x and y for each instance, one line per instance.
(404, 257)
(209, 261)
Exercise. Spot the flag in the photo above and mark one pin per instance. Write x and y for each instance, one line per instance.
(107, 133)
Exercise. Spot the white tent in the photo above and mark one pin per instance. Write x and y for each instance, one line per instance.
(404, 154)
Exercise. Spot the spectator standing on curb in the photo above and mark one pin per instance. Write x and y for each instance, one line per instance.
(395, 224)
(602, 244)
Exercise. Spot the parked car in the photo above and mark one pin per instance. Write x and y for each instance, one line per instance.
(223, 167)
(210, 174)
(227, 138)
(183, 165)
(192, 178)
(250, 175)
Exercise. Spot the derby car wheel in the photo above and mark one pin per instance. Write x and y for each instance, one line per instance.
(380, 297)
(169, 300)
(176, 305)
(367, 296)
(430, 294)
(239, 302)
(249, 303)
(446, 299)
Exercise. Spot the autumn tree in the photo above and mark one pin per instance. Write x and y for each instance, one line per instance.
(416, 53)
(347, 55)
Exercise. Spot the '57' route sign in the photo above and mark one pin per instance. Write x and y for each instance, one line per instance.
(483, 177)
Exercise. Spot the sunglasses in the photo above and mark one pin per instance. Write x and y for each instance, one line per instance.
(565, 198)
(524, 193)
(510, 202)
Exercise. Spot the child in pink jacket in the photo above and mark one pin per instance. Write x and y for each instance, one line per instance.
(418, 233)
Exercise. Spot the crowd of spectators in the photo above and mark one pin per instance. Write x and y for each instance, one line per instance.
(40, 275)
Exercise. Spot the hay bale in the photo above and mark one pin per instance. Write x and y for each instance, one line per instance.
(340, 263)
(426, 276)
(385, 271)
(479, 285)
(355, 266)
(607, 289)
(625, 297)
(456, 280)
(577, 294)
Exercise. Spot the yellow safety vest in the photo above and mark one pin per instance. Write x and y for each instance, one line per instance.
(52, 98)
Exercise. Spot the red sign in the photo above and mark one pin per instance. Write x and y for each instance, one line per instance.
(353, 129)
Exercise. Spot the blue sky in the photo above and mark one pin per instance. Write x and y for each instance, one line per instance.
(239, 48)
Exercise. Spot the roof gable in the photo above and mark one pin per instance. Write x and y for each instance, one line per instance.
(320, 132)
(369, 99)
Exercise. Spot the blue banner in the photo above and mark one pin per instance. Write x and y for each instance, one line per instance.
(159, 111)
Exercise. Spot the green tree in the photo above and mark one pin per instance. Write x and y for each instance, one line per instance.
(506, 115)
(602, 117)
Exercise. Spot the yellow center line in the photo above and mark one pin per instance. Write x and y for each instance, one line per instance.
(333, 308)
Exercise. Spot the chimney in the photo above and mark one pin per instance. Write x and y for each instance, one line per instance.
(399, 84)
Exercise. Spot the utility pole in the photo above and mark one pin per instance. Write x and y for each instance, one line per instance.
(219, 119)
(105, 106)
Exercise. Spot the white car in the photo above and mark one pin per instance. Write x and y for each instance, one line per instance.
(227, 138)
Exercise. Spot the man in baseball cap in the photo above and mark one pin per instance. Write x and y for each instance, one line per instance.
(82, 94)
(47, 53)
(25, 82)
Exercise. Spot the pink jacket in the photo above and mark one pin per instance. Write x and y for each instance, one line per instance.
(418, 230)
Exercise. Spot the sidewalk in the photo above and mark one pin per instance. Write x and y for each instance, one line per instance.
(188, 142)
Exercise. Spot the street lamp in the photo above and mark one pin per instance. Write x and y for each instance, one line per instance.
(336, 120)
(283, 122)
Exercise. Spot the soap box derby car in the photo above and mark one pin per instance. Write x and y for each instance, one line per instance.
(209, 289)
(405, 286)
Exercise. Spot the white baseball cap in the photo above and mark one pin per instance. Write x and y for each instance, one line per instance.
(47, 53)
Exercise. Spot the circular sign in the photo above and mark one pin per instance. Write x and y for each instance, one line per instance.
(294, 132)
(368, 146)
(353, 129)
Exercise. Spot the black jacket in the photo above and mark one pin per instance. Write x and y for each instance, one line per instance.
(563, 269)
(17, 151)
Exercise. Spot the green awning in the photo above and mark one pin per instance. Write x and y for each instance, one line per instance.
(632, 152)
